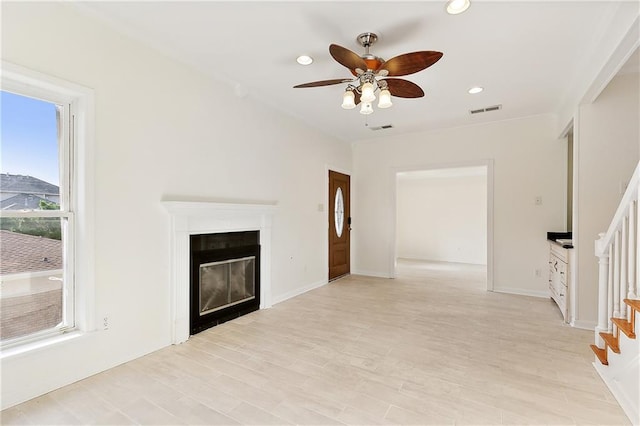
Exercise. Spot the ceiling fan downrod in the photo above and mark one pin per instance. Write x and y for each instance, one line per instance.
(366, 40)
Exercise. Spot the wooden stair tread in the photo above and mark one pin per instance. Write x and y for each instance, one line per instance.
(601, 354)
(635, 304)
(625, 326)
(611, 341)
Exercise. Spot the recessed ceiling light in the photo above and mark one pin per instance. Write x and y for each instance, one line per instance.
(304, 60)
(475, 90)
(455, 7)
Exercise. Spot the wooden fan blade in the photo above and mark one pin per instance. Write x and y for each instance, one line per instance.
(322, 83)
(410, 63)
(347, 58)
(403, 88)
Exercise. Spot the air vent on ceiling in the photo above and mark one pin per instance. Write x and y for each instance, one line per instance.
(385, 127)
(485, 109)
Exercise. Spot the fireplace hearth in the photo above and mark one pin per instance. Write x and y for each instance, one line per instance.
(225, 277)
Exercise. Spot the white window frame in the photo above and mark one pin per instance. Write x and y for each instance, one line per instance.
(76, 203)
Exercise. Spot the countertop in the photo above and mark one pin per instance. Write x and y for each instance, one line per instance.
(563, 239)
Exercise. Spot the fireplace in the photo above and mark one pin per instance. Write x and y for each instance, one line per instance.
(208, 217)
(225, 277)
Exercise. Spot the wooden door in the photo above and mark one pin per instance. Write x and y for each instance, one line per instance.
(339, 224)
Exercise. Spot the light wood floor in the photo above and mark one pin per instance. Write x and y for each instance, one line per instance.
(431, 347)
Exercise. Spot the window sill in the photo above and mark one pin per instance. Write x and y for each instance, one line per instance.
(29, 348)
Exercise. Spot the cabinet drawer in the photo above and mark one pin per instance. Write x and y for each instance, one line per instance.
(559, 277)
(562, 271)
(562, 303)
(560, 252)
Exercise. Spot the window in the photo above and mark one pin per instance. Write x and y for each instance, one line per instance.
(45, 268)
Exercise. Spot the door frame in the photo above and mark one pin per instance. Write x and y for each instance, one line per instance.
(394, 213)
(327, 210)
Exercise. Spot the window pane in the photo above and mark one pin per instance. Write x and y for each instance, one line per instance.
(31, 275)
(31, 248)
(47, 227)
(339, 212)
(29, 164)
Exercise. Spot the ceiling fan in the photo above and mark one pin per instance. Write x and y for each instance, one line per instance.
(371, 74)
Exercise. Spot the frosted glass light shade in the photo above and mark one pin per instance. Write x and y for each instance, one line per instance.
(367, 93)
(366, 108)
(348, 100)
(384, 101)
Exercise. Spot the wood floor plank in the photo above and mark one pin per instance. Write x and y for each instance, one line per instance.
(431, 346)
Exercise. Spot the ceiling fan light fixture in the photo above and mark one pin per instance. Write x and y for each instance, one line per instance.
(366, 108)
(370, 73)
(455, 7)
(384, 100)
(348, 100)
(368, 94)
(304, 60)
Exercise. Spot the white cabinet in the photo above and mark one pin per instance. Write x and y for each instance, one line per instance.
(559, 277)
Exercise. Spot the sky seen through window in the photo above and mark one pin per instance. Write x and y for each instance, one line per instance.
(28, 137)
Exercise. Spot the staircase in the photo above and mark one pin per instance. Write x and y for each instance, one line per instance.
(611, 339)
(616, 347)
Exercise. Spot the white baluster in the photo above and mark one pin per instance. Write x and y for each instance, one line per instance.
(609, 296)
(633, 241)
(616, 275)
(633, 284)
(603, 281)
(622, 290)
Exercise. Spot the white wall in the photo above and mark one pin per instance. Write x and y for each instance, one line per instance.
(442, 218)
(606, 153)
(528, 162)
(163, 131)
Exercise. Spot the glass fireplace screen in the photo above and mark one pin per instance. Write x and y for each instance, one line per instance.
(226, 283)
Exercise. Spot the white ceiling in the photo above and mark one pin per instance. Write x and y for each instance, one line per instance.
(525, 54)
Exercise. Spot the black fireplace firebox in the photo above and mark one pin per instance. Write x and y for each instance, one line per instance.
(225, 277)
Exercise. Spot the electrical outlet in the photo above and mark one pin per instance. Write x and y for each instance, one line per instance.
(538, 272)
(105, 322)
(538, 200)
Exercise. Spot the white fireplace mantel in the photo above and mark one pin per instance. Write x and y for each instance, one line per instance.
(198, 217)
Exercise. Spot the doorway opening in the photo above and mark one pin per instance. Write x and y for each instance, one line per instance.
(444, 221)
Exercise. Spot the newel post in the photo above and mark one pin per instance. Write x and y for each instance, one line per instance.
(603, 281)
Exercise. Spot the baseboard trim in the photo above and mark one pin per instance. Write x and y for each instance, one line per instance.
(584, 325)
(374, 274)
(629, 408)
(38, 389)
(521, 292)
(298, 291)
(460, 261)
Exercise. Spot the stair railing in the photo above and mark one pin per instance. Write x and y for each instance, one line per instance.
(618, 260)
